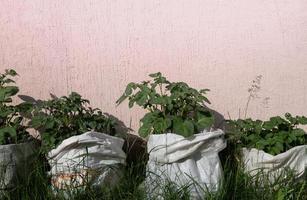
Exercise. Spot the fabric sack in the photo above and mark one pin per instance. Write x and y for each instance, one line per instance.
(92, 158)
(257, 161)
(192, 162)
(16, 163)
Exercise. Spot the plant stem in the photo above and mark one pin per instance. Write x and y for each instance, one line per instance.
(247, 105)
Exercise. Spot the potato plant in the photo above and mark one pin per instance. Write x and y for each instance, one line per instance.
(274, 136)
(12, 130)
(61, 118)
(172, 106)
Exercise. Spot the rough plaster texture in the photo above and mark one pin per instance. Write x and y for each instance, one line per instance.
(95, 47)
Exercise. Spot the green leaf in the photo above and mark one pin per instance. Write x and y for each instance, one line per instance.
(161, 125)
(129, 89)
(10, 131)
(38, 121)
(148, 118)
(298, 132)
(277, 120)
(142, 99)
(275, 150)
(154, 75)
(131, 103)
(184, 128)
(2, 139)
(7, 92)
(145, 130)
(11, 72)
(204, 122)
(261, 144)
(269, 135)
(49, 124)
(302, 120)
(291, 138)
(290, 118)
(269, 125)
(204, 91)
(25, 107)
(8, 80)
(279, 146)
(5, 113)
(48, 142)
(121, 99)
(253, 137)
(205, 99)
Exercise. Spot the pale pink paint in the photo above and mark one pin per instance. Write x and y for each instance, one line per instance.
(96, 47)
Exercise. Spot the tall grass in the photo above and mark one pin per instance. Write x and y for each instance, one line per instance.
(235, 185)
(238, 185)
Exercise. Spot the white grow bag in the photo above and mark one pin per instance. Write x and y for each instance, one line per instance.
(16, 163)
(190, 161)
(257, 161)
(91, 158)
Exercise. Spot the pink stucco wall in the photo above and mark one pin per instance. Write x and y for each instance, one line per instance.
(96, 47)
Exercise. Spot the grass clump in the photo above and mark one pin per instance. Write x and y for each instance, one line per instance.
(235, 185)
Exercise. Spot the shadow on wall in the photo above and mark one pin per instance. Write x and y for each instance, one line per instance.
(219, 120)
(29, 99)
(135, 147)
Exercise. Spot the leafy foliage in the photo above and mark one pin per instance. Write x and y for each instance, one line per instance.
(11, 129)
(61, 118)
(172, 106)
(274, 136)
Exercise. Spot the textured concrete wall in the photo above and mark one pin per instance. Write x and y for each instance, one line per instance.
(96, 47)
